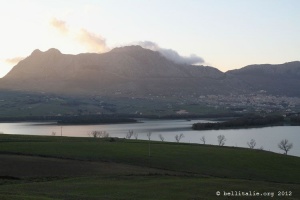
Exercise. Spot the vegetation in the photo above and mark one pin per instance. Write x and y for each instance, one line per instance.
(221, 140)
(242, 122)
(251, 144)
(161, 137)
(98, 134)
(94, 119)
(285, 146)
(295, 120)
(20, 106)
(179, 137)
(203, 140)
(54, 167)
(129, 134)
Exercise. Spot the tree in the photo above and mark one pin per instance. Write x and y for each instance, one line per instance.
(94, 134)
(251, 144)
(285, 146)
(149, 149)
(105, 134)
(161, 137)
(221, 140)
(261, 148)
(202, 139)
(149, 135)
(129, 134)
(136, 135)
(99, 134)
(179, 137)
(53, 133)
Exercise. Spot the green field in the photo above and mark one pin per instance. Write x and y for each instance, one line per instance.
(44, 167)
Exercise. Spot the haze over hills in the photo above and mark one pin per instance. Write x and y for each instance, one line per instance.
(135, 71)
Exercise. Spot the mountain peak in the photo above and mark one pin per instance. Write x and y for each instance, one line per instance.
(53, 51)
(36, 52)
(128, 48)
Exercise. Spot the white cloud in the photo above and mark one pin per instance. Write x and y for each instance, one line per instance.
(93, 42)
(172, 54)
(59, 25)
(14, 60)
(97, 44)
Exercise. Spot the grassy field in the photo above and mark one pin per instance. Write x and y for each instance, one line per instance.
(44, 167)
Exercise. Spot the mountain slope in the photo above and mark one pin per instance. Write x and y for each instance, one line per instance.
(130, 70)
(282, 79)
(135, 71)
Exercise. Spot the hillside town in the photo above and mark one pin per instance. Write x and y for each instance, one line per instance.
(258, 102)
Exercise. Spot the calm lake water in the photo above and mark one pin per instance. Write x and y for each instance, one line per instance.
(267, 137)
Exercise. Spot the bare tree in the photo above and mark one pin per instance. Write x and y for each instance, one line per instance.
(129, 134)
(53, 133)
(251, 144)
(94, 134)
(99, 134)
(149, 148)
(105, 134)
(136, 135)
(161, 137)
(149, 135)
(202, 139)
(261, 148)
(285, 146)
(179, 137)
(221, 140)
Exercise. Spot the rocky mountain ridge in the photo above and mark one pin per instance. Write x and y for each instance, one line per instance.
(135, 71)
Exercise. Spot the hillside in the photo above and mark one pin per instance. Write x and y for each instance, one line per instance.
(47, 167)
(133, 71)
(282, 79)
(129, 71)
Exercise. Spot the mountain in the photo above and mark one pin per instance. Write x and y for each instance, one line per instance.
(134, 71)
(129, 71)
(282, 79)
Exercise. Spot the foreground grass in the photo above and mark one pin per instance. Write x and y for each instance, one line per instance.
(140, 187)
(198, 159)
(43, 167)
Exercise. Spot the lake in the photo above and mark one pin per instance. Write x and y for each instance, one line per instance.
(267, 137)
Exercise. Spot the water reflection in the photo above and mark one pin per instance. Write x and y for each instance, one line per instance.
(268, 137)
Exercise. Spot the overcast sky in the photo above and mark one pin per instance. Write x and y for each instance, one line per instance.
(225, 34)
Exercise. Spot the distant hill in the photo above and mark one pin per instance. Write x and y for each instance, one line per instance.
(129, 71)
(135, 71)
(282, 79)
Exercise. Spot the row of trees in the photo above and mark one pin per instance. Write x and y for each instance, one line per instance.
(130, 133)
(284, 144)
(99, 134)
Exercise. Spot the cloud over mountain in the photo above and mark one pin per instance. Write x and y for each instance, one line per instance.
(172, 54)
(97, 44)
(93, 42)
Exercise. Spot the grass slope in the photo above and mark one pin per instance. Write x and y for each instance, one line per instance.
(87, 168)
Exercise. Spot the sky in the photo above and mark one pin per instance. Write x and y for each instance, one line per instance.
(226, 34)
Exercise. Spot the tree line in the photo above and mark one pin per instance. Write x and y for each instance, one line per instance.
(284, 144)
(242, 122)
(74, 119)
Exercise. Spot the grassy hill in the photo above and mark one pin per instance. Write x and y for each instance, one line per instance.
(44, 167)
